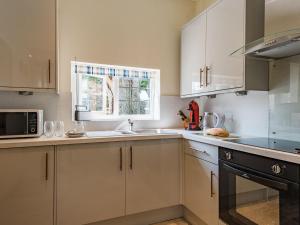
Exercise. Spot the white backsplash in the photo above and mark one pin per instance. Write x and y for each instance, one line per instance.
(58, 107)
(285, 99)
(245, 115)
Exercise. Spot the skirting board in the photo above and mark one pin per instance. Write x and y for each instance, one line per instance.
(194, 220)
(146, 218)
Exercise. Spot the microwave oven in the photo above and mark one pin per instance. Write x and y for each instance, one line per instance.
(21, 123)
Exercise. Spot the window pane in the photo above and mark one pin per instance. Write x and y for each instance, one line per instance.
(124, 108)
(109, 95)
(145, 107)
(134, 96)
(124, 93)
(91, 92)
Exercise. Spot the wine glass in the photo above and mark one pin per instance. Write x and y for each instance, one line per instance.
(79, 126)
(49, 129)
(59, 128)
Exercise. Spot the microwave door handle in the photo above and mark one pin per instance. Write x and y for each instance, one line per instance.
(262, 180)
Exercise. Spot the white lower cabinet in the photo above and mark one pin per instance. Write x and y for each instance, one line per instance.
(201, 188)
(96, 182)
(27, 186)
(153, 175)
(90, 183)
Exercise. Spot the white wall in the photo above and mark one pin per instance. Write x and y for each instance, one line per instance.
(201, 5)
(282, 15)
(139, 33)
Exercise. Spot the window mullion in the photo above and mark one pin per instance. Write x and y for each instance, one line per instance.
(130, 97)
(116, 93)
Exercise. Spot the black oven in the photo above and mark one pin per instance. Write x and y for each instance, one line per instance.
(256, 190)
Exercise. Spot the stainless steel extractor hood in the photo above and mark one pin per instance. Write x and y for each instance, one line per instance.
(276, 46)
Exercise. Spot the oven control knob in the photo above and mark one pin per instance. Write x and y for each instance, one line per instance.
(276, 169)
(228, 155)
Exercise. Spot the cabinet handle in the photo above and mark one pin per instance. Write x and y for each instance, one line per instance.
(201, 73)
(200, 151)
(207, 68)
(49, 71)
(47, 162)
(212, 184)
(131, 158)
(121, 159)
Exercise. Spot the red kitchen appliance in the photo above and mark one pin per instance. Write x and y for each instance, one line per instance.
(194, 116)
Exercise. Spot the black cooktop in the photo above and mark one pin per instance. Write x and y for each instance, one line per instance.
(275, 144)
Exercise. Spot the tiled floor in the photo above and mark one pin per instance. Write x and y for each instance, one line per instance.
(174, 222)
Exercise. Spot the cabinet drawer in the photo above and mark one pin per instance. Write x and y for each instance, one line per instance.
(202, 151)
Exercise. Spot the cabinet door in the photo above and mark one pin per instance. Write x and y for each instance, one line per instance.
(225, 34)
(26, 190)
(90, 183)
(153, 175)
(201, 189)
(27, 43)
(193, 56)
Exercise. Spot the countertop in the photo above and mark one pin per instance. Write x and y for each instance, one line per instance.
(44, 141)
(284, 156)
(176, 133)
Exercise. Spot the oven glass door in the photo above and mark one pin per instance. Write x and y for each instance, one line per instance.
(249, 198)
(13, 123)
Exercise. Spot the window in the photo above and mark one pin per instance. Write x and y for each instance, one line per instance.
(104, 92)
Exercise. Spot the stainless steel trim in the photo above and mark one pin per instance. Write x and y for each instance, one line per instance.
(212, 184)
(201, 73)
(121, 159)
(19, 136)
(47, 163)
(198, 150)
(21, 110)
(131, 158)
(207, 69)
(49, 71)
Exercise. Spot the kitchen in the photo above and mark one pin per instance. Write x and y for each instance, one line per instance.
(81, 63)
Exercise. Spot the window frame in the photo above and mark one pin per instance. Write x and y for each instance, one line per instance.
(99, 116)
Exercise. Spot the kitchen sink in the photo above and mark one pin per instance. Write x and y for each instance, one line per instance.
(128, 132)
(150, 131)
(103, 133)
(155, 131)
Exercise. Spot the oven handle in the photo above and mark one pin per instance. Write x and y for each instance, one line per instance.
(263, 180)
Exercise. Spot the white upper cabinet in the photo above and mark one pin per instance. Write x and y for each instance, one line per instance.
(225, 33)
(27, 44)
(208, 41)
(193, 56)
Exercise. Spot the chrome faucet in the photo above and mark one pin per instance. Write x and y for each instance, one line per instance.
(131, 123)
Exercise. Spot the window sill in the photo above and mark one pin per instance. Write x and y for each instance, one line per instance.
(98, 117)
